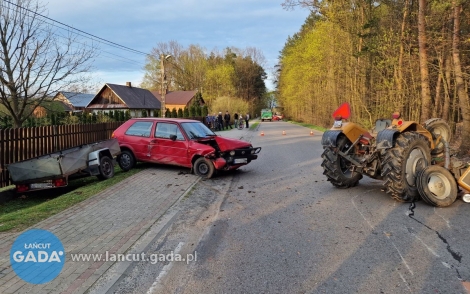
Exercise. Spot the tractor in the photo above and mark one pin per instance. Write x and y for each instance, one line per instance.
(406, 155)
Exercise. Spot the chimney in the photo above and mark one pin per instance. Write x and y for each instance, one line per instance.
(128, 84)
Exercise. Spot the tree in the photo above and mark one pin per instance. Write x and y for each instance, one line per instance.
(34, 61)
(180, 112)
(459, 80)
(423, 62)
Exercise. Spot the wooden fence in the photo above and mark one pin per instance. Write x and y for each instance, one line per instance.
(26, 143)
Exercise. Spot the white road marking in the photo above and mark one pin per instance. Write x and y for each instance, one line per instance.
(355, 206)
(370, 225)
(447, 222)
(406, 283)
(164, 270)
(427, 247)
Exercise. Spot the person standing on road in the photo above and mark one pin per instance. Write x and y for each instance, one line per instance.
(235, 120)
(227, 120)
(247, 118)
(220, 125)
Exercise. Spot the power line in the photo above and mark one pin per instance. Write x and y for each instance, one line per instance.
(122, 58)
(78, 30)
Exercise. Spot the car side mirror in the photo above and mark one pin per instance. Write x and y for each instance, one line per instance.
(173, 137)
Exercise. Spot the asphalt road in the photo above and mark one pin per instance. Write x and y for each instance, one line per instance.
(277, 226)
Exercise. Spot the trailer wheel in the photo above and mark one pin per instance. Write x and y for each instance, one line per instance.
(126, 160)
(204, 168)
(106, 168)
(437, 186)
(336, 168)
(402, 163)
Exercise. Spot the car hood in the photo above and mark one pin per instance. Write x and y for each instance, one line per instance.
(226, 144)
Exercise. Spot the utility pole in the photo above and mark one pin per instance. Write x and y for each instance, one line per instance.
(163, 81)
(163, 84)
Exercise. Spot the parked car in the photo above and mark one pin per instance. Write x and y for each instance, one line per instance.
(181, 142)
(278, 117)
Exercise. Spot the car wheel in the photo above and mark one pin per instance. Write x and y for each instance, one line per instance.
(437, 186)
(106, 168)
(126, 160)
(204, 168)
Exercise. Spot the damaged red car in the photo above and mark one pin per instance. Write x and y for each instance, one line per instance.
(181, 142)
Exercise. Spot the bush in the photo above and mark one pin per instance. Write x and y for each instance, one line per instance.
(167, 113)
(174, 114)
(70, 120)
(186, 112)
(231, 104)
(192, 111)
(180, 112)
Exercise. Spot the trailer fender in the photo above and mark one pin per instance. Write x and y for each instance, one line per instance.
(330, 137)
(386, 138)
(94, 160)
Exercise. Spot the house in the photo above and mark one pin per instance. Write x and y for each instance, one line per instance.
(74, 102)
(177, 99)
(119, 97)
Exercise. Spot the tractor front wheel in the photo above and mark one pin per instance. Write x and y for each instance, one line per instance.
(437, 186)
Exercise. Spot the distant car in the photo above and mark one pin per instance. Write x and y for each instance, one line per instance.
(278, 117)
(181, 142)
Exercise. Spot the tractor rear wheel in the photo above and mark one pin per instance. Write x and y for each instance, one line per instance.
(402, 163)
(338, 169)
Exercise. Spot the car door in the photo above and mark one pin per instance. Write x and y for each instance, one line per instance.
(168, 151)
(138, 136)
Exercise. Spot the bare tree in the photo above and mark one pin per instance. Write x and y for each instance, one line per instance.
(423, 62)
(36, 61)
(459, 80)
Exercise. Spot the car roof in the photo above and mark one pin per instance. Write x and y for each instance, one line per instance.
(179, 120)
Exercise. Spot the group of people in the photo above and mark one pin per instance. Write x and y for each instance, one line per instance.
(219, 122)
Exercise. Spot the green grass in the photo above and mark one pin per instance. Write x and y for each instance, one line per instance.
(7, 188)
(30, 208)
(254, 125)
(310, 126)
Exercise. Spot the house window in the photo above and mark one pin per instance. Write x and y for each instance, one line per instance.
(140, 128)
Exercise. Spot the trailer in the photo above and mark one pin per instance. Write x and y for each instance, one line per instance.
(54, 170)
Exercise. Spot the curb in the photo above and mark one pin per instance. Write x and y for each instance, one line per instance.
(119, 269)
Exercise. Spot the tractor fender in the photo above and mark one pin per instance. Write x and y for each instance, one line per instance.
(386, 138)
(330, 137)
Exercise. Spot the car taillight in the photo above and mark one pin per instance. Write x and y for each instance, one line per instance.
(59, 182)
(22, 188)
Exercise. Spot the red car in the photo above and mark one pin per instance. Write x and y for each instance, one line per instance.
(182, 142)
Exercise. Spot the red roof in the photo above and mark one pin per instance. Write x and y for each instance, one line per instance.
(176, 97)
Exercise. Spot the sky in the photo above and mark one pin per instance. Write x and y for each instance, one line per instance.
(142, 24)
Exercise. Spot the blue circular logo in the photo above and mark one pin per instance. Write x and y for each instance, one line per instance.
(37, 256)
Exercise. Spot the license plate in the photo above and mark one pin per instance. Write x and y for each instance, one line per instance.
(41, 185)
(240, 160)
(338, 124)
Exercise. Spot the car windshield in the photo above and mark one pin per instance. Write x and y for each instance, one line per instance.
(196, 130)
